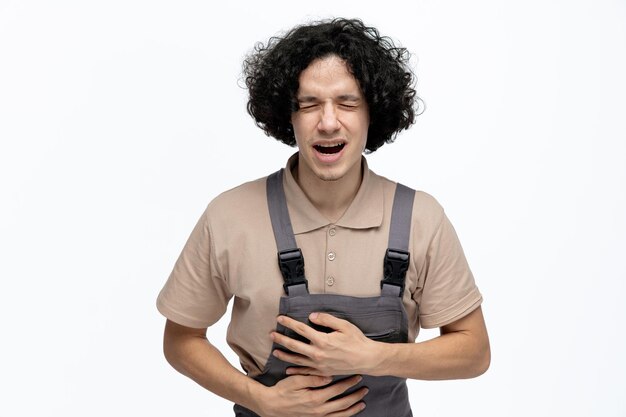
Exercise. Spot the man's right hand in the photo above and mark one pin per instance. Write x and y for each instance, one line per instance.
(302, 395)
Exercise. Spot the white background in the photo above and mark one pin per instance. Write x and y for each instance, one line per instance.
(120, 120)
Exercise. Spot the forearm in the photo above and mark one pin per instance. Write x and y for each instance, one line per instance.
(446, 357)
(457, 353)
(195, 357)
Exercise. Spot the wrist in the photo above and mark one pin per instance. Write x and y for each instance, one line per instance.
(258, 397)
(376, 358)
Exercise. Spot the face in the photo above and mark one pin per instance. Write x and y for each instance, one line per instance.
(331, 123)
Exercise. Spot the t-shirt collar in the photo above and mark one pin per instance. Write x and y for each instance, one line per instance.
(365, 211)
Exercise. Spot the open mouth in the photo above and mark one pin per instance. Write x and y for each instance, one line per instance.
(329, 149)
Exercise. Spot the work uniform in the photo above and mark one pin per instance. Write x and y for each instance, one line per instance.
(232, 252)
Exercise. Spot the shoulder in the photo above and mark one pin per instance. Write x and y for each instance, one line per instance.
(427, 211)
(239, 213)
(241, 200)
(426, 208)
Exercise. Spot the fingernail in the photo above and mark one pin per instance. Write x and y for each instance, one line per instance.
(272, 336)
(362, 406)
(313, 316)
(279, 319)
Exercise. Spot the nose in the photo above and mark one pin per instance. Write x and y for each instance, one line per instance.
(329, 121)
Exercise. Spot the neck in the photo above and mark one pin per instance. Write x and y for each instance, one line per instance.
(331, 198)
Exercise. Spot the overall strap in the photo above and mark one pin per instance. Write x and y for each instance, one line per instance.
(290, 259)
(397, 257)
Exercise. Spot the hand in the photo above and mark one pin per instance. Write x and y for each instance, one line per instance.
(345, 351)
(301, 395)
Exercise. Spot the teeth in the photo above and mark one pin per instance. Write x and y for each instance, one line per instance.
(330, 149)
(330, 146)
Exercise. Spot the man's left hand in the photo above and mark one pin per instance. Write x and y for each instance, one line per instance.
(344, 351)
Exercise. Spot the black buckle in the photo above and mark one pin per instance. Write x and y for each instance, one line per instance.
(395, 267)
(291, 264)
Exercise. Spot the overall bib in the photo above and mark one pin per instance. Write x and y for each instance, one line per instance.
(381, 318)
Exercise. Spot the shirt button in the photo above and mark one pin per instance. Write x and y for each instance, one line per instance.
(332, 232)
(331, 256)
(330, 281)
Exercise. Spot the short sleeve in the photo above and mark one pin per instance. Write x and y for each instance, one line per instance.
(194, 294)
(449, 291)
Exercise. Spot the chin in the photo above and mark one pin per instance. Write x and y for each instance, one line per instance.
(329, 174)
(330, 178)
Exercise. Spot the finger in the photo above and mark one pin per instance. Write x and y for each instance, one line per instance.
(328, 320)
(305, 370)
(307, 381)
(301, 328)
(348, 405)
(355, 409)
(339, 387)
(292, 358)
(292, 344)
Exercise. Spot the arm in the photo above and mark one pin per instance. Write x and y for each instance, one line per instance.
(462, 350)
(190, 353)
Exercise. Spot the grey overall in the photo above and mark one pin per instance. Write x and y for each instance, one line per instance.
(381, 318)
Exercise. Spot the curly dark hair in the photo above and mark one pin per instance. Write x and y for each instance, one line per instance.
(271, 73)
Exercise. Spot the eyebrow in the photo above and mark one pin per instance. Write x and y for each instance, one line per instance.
(341, 97)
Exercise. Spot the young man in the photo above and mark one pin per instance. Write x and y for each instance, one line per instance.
(334, 336)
